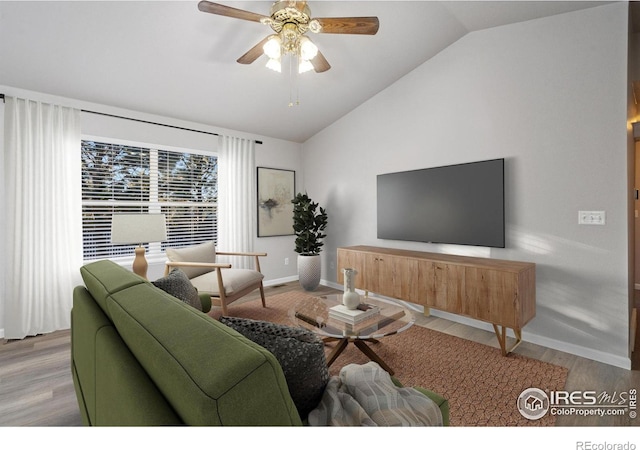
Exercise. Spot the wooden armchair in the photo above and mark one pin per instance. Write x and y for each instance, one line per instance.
(222, 282)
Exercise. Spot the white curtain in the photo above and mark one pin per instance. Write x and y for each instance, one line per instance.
(43, 239)
(236, 198)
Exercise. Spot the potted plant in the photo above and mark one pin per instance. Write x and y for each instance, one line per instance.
(309, 222)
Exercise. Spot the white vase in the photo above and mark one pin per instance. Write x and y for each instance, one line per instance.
(350, 298)
(309, 270)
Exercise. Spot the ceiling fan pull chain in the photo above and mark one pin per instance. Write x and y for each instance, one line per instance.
(296, 73)
(293, 80)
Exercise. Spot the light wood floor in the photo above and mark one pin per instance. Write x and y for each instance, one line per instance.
(36, 388)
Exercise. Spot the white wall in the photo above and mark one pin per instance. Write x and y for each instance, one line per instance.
(278, 154)
(548, 95)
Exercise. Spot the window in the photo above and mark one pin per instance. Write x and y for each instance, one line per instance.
(127, 179)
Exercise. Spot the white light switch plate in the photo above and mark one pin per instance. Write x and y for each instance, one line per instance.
(591, 217)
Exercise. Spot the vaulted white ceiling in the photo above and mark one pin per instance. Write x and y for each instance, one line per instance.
(170, 59)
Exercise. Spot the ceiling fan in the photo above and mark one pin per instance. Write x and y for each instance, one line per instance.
(290, 20)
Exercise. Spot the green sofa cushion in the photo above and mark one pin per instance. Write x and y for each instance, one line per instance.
(205, 369)
(126, 395)
(205, 301)
(86, 319)
(103, 278)
(111, 386)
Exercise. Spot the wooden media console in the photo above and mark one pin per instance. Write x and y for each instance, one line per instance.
(500, 292)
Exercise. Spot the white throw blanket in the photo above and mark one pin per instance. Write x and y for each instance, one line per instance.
(365, 395)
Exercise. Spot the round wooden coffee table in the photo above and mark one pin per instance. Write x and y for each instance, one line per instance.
(314, 315)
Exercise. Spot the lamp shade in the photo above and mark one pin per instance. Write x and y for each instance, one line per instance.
(274, 64)
(273, 47)
(305, 66)
(138, 228)
(308, 49)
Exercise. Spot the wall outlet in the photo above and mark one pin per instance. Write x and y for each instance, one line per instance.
(591, 217)
(286, 261)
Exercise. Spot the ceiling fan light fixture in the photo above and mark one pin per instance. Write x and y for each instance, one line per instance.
(273, 47)
(290, 20)
(308, 49)
(274, 64)
(305, 66)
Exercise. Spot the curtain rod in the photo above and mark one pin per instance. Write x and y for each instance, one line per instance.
(154, 123)
(146, 121)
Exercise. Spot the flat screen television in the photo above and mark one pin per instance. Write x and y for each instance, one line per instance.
(457, 204)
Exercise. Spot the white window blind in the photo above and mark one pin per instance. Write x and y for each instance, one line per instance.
(127, 179)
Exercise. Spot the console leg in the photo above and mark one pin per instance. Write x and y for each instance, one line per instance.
(501, 334)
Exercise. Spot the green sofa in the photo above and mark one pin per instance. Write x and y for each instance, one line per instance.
(142, 357)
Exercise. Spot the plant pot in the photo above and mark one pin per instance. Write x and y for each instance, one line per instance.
(309, 270)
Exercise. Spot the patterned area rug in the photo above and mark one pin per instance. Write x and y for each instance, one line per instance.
(481, 385)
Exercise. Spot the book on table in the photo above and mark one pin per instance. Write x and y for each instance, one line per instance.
(353, 316)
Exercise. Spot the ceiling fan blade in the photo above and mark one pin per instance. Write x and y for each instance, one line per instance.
(221, 10)
(349, 25)
(254, 52)
(320, 63)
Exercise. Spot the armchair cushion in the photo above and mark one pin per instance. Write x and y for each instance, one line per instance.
(235, 280)
(203, 253)
(178, 285)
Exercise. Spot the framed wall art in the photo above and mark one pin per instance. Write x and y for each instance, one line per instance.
(276, 189)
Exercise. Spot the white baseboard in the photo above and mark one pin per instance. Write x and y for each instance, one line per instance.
(295, 278)
(280, 281)
(331, 284)
(578, 350)
(1, 333)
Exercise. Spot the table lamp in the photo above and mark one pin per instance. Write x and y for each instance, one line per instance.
(138, 229)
